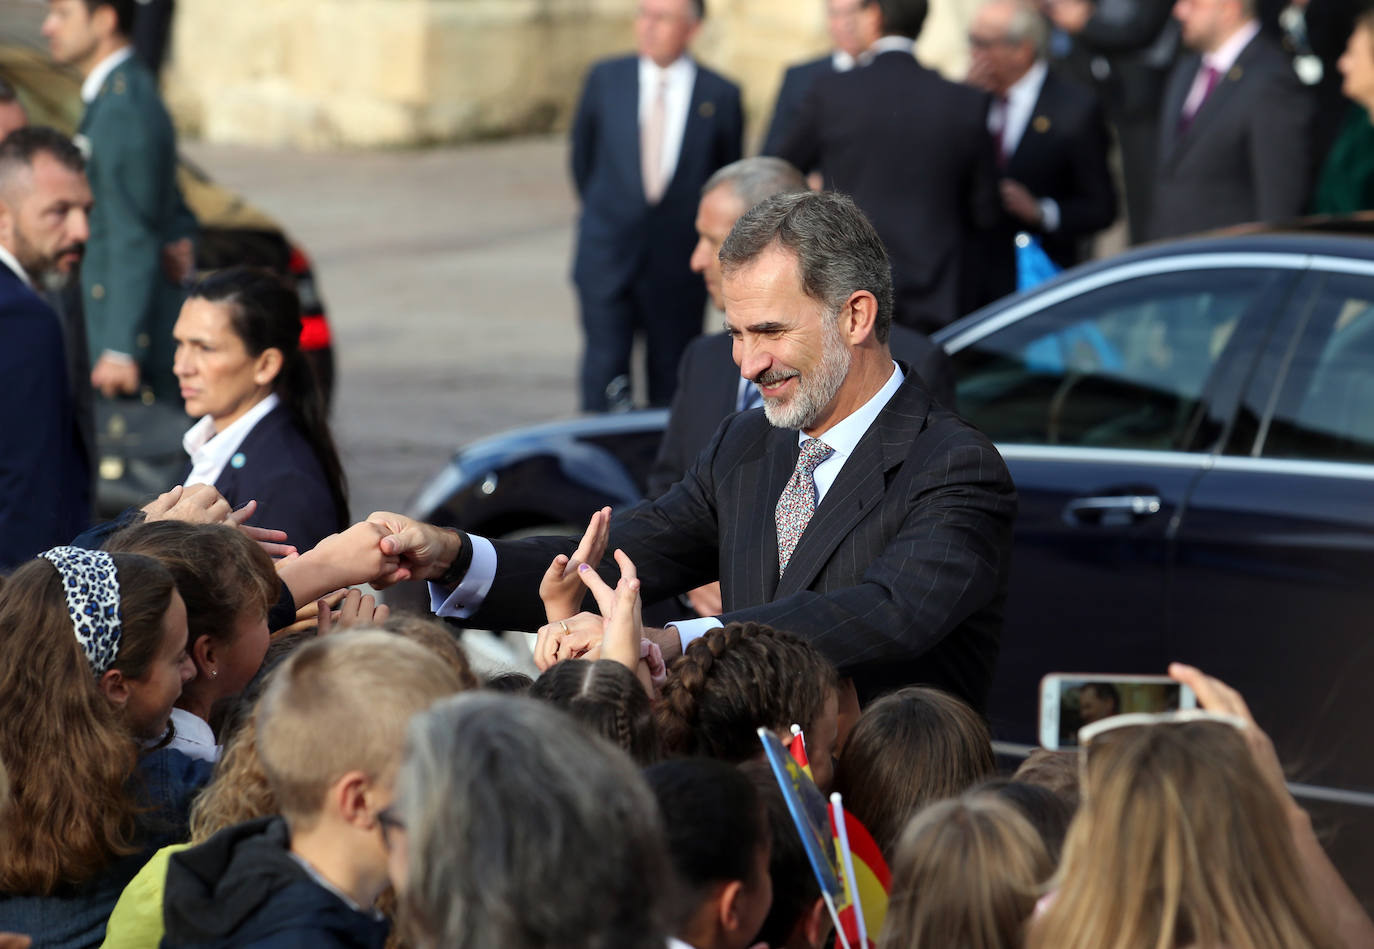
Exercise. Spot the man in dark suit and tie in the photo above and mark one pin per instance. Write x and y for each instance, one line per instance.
(846, 34)
(851, 509)
(1050, 135)
(44, 472)
(649, 130)
(912, 149)
(1234, 128)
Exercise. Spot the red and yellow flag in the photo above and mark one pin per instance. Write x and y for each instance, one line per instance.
(871, 884)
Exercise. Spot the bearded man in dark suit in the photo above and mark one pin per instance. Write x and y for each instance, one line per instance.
(851, 510)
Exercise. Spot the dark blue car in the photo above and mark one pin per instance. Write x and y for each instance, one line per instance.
(1191, 430)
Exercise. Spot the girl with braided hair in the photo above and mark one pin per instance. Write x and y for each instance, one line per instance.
(744, 676)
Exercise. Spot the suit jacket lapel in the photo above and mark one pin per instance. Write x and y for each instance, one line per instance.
(859, 487)
(1224, 90)
(1181, 80)
(624, 111)
(1040, 122)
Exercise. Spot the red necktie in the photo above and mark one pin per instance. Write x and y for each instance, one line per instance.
(1210, 77)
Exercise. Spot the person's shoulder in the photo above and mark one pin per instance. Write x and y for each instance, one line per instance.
(1068, 96)
(715, 83)
(1264, 59)
(809, 70)
(610, 64)
(277, 436)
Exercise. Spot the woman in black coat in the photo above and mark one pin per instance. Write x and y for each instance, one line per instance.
(262, 433)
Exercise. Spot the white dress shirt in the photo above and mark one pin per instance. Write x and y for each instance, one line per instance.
(1008, 122)
(680, 76)
(90, 86)
(841, 61)
(193, 737)
(12, 262)
(1222, 59)
(210, 452)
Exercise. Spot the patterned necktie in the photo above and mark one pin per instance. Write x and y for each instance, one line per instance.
(651, 144)
(798, 501)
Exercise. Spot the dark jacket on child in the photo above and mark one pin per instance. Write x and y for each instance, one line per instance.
(242, 887)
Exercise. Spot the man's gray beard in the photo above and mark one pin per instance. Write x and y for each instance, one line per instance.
(816, 389)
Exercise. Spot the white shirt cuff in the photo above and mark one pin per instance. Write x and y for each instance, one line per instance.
(117, 356)
(1049, 215)
(693, 629)
(466, 598)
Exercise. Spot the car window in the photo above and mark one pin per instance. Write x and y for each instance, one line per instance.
(1325, 405)
(1123, 366)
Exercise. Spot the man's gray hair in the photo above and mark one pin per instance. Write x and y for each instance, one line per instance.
(1027, 25)
(21, 146)
(525, 830)
(838, 252)
(755, 179)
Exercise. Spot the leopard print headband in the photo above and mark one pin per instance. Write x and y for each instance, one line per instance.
(92, 590)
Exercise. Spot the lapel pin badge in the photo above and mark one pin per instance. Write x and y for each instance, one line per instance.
(1041, 124)
(706, 110)
(1235, 73)
(119, 85)
(238, 460)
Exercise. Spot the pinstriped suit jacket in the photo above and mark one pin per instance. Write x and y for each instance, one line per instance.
(900, 577)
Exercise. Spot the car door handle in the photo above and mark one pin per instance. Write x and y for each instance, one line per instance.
(1118, 509)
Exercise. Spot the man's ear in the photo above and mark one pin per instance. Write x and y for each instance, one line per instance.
(8, 225)
(115, 687)
(268, 365)
(105, 21)
(858, 317)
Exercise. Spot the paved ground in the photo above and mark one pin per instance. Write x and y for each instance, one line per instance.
(445, 275)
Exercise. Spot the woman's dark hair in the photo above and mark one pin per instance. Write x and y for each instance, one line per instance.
(909, 749)
(1047, 812)
(607, 698)
(733, 681)
(70, 757)
(715, 821)
(511, 683)
(265, 313)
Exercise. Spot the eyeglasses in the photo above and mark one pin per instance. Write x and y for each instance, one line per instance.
(1133, 719)
(389, 823)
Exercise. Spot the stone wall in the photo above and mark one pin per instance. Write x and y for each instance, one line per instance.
(370, 73)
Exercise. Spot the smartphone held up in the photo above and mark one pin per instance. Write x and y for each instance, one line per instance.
(1070, 700)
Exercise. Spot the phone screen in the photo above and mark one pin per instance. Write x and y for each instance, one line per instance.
(1084, 701)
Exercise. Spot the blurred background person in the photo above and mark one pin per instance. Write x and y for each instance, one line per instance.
(262, 433)
(1050, 134)
(12, 113)
(1124, 50)
(1313, 33)
(869, 131)
(45, 471)
(649, 130)
(130, 302)
(851, 34)
(1346, 182)
(1234, 126)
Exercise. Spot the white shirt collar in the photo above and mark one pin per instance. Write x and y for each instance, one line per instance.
(1025, 91)
(12, 262)
(1226, 55)
(841, 61)
(679, 70)
(194, 737)
(844, 435)
(210, 452)
(675, 943)
(90, 88)
(888, 44)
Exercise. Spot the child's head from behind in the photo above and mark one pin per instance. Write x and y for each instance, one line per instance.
(737, 679)
(908, 749)
(331, 728)
(607, 698)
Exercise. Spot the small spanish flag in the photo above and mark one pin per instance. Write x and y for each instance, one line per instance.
(866, 877)
(797, 748)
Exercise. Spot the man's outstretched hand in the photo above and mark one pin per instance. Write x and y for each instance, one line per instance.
(424, 551)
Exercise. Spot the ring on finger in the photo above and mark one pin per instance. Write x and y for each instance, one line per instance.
(564, 624)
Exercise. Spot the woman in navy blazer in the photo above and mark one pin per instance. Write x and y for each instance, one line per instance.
(262, 433)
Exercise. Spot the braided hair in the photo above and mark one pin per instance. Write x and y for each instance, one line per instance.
(734, 680)
(607, 698)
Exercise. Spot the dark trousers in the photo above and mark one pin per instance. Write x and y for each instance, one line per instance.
(668, 322)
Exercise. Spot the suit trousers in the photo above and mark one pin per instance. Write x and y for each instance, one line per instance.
(668, 321)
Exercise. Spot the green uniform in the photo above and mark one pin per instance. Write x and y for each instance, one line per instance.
(130, 304)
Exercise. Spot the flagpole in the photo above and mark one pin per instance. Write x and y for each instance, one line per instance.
(847, 857)
(835, 918)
